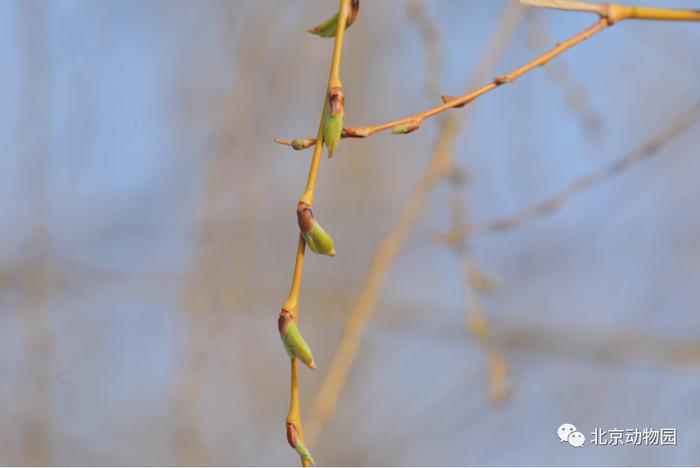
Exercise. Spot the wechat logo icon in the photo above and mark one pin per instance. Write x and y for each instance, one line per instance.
(567, 433)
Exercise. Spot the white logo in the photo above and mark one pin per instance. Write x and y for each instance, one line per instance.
(564, 431)
(567, 433)
(576, 439)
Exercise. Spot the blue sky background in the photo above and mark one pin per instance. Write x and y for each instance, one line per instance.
(147, 237)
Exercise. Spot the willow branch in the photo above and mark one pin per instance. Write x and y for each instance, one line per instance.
(440, 165)
(609, 15)
(452, 101)
(293, 420)
(649, 149)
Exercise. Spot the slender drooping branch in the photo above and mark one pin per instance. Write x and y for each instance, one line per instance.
(609, 15)
(583, 184)
(475, 285)
(289, 315)
(441, 164)
(434, 61)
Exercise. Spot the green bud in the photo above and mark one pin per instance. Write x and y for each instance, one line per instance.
(304, 453)
(293, 342)
(318, 240)
(329, 28)
(302, 143)
(334, 115)
(326, 29)
(406, 127)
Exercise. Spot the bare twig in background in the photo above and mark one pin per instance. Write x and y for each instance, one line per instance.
(609, 14)
(561, 75)
(583, 184)
(36, 284)
(476, 321)
(475, 285)
(431, 39)
(620, 347)
(440, 165)
(208, 281)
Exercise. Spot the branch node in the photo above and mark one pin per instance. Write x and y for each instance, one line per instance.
(503, 79)
(448, 99)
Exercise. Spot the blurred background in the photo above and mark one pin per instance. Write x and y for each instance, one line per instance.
(148, 233)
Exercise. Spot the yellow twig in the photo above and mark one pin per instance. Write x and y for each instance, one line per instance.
(618, 12)
(292, 303)
(440, 165)
(452, 102)
(649, 149)
(571, 5)
(609, 15)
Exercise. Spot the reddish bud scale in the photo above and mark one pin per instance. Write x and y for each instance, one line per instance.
(305, 217)
(292, 435)
(336, 99)
(360, 132)
(283, 321)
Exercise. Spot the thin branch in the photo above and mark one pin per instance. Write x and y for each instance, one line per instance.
(616, 12)
(560, 74)
(293, 421)
(431, 38)
(452, 102)
(570, 5)
(649, 149)
(477, 322)
(440, 165)
(609, 15)
(36, 282)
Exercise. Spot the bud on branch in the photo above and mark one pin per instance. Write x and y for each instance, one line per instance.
(316, 237)
(330, 27)
(406, 127)
(293, 342)
(334, 115)
(294, 442)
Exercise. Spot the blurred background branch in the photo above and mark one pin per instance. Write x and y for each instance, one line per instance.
(585, 183)
(441, 163)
